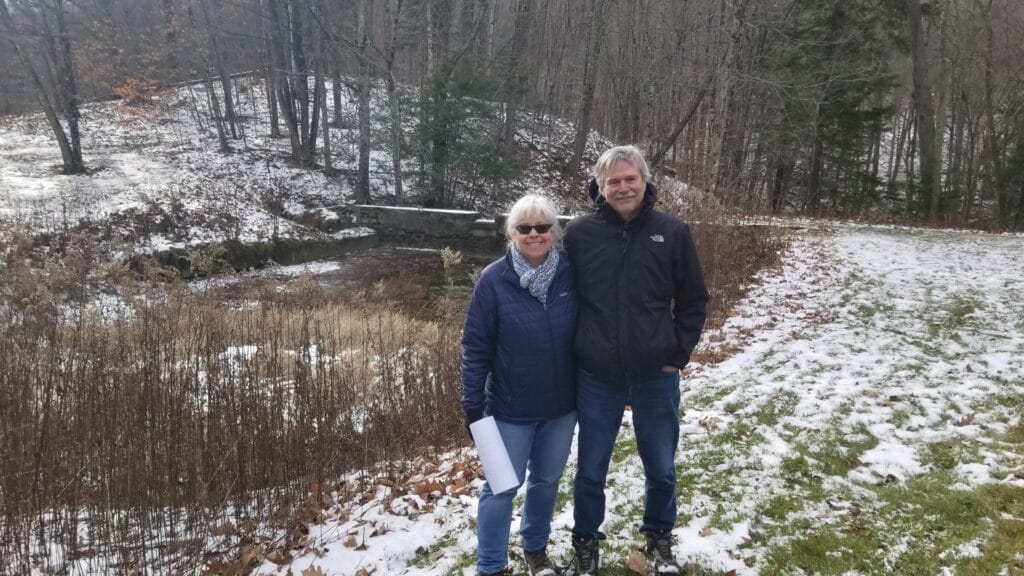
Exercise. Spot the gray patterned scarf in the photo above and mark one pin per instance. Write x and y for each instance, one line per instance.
(536, 279)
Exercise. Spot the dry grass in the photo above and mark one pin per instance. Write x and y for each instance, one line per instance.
(144, 428)
(732, 250)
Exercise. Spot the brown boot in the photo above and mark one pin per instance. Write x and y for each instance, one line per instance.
(539, 563)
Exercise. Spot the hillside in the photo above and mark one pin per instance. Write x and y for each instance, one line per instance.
(157, 180)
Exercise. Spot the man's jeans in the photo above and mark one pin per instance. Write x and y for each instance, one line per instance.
(543, 448)
(655, 405)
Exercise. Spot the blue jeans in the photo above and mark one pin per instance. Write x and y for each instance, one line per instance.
(655, 404)
(542, 448)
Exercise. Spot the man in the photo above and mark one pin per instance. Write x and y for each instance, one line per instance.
(642, 305)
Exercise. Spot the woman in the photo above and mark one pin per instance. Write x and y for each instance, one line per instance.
(518, 366)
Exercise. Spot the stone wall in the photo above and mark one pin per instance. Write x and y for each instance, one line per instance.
(404, 220)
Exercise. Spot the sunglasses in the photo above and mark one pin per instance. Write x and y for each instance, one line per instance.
(540, 228)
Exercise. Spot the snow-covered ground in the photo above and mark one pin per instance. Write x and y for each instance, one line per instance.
(874, 343)
(157, 180)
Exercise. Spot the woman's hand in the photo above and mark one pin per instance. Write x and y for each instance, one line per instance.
(470, 416)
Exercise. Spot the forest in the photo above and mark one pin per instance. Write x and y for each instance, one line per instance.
(909, 111)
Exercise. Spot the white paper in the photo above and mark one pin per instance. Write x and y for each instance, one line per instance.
(497, 466)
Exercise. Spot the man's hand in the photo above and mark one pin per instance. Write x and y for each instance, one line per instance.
(669, 369)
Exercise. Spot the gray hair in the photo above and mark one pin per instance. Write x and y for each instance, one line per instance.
(532, 205)
(629, 154)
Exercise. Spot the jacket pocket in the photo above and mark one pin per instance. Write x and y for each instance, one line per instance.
(653, 272)
(661, 335)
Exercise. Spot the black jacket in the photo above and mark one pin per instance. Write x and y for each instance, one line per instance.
(642, 298)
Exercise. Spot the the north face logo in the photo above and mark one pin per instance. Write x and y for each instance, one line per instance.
(658, 238)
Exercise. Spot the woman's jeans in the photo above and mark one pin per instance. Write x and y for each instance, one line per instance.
(542, 448)
(655, 405)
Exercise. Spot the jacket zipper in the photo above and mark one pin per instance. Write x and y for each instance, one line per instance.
(622, 276)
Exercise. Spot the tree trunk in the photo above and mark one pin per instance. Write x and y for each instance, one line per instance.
(780, 175)
(896, 155)
(321, 91)
(972, 148)
(336, 84)
(659, 154)
(272, 75)
(923, 104)
(218, 119)
(908, 206)
(55, 85)
(996, 178)
(439, 36)
(936, 208)
(592, 28)
(222, 71)
(516, 75)
(328, 164)
(393, 100)
(170, 37)
(814, 175)
(362, 190)
(300, 81)
(285, 96)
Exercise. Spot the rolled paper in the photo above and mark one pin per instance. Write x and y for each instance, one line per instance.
(497, 466)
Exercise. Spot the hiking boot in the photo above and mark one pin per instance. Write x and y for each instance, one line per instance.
(539, 563)
(588, 556)
(659, 554)
(503, 572)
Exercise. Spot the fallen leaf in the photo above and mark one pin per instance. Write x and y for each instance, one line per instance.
(704, 533)
(637, 562)
(350, 542)
(314, 570)
(279, 557)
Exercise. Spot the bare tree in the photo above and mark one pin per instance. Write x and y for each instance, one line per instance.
(392, 20)
(363, 18)
(592, 42)
(41, 41)
(516, 81)
(924, 106)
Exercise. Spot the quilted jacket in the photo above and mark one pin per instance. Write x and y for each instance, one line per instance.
(517, 354)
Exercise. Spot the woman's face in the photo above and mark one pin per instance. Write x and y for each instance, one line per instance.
(533, 244)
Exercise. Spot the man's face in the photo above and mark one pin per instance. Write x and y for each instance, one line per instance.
(623, 189)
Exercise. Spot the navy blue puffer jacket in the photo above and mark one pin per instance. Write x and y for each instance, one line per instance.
(517, 354)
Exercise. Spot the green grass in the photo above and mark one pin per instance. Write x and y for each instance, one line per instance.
(941, 455)
(623, 450)
(780, 507)
(948, 318)
(1015, 435)
(906, 533)
(777, 407)
(838, 451)
(429, 557)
